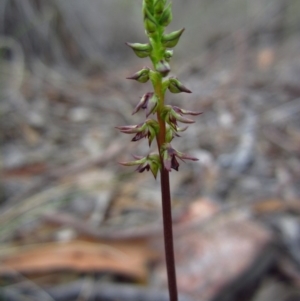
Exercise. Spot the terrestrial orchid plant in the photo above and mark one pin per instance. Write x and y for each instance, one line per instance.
(164, 128)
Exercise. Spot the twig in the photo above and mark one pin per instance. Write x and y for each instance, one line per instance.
(112, 292)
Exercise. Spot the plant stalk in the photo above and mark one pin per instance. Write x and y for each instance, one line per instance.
(157, 16)
(168, 234)
(166, 203)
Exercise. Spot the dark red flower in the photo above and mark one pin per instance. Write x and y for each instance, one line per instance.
(148, 102)
(170, 155)
(148, 129)
(150, 162)
(172, 114)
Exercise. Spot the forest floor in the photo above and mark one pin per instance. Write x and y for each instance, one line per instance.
(75, 225)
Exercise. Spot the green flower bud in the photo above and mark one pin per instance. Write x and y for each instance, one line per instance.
(155, 77)
(149, 25)
(169, 134)
(170, 40)
(166, 17)
(149, 22)
(153, 161)
(172, 132)
(165, 85)
(163, 67)
(148, 3)
(161, 1)
(141, 76)
(168, 55)
(175, 86)
(153, 129)
(159, 7)
(141, 50)
(154, 164)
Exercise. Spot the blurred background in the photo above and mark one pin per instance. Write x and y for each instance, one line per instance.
(75, 225)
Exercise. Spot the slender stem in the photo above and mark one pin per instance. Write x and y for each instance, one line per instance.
(168, 234)
(166, 202)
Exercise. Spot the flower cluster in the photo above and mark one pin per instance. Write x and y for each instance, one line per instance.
(150, 162)
(169, 155)
(147, 129)
(157, 16)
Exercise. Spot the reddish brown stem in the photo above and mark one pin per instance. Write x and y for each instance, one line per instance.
(166, 205)
(168, 233)
(166, 201)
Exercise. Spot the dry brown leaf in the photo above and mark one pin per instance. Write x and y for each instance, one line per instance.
(124, 258)
(200, 210)
(210, 258)
(31, 135)
(269, 206)
(27, 170)
(265, 58)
